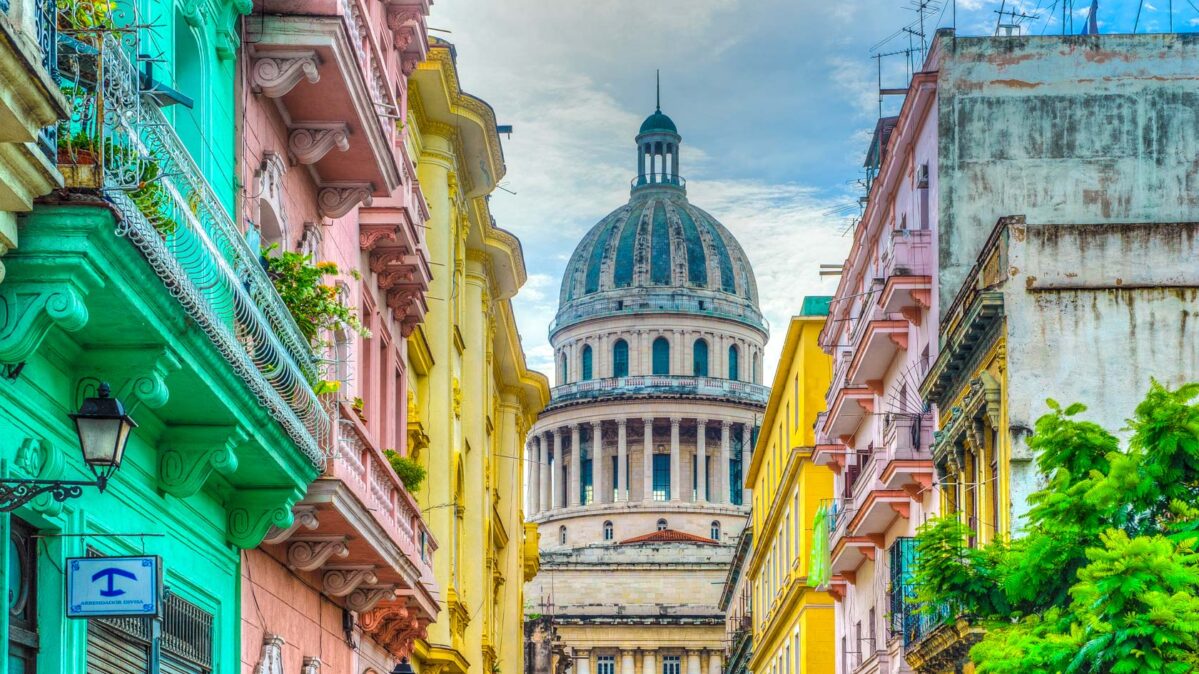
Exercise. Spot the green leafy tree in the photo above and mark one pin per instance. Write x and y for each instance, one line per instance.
(1105, 576)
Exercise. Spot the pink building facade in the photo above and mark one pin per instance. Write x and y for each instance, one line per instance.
(326, 171)
(876, 434)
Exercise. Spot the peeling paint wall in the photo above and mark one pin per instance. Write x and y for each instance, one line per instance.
(1064, 130)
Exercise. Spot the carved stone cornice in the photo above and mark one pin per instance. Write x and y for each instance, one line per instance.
(310, 142)
(337, 199)
(276, 73)
(310, 554)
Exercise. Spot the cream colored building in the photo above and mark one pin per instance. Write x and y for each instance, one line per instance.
(636, 464)
(474, 399)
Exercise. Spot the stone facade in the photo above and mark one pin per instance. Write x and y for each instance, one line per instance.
(636, 465)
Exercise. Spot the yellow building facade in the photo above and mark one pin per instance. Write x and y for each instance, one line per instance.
(793, 628)
(473, 398)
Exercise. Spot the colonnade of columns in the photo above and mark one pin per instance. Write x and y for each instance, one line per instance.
(647, 661)
(556, 457)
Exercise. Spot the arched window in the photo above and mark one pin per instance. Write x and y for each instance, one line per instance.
(661, 356)
(586, 362)
(699, 358)
(608, 530)
(662, 525)
(620, 358)
(561, 535)
(565, 371)
(715, 530)
(753, 372)
(734, 372)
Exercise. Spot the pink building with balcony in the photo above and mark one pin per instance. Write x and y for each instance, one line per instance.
(326, 170)
(876, 434)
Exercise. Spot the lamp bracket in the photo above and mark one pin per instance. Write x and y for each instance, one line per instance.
(15, 493)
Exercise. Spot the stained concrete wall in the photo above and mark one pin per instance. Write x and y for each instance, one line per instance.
(1092, 313)
(1064, 130)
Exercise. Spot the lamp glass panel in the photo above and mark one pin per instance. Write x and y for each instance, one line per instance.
(99, 439)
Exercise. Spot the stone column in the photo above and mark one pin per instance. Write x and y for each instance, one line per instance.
(545, 483)
(714, 663)
(576, 468)
(582, 661)
(676, 481)
(622, 465)
(693, 662)
(627, 666)
(534, 463)
(701, 463)
(726, 457)
(648, 662)
(647, 460)
(601, 494)
(746, 434)
(558, 500)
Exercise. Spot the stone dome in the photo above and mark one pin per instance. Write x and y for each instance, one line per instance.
(658, 253)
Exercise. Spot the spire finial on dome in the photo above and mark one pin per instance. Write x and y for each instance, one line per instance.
(658, 92)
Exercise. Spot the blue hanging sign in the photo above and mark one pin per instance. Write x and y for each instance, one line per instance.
(104, 587)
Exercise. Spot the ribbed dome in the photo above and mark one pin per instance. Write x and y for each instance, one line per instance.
(659, 245)
(658, 122)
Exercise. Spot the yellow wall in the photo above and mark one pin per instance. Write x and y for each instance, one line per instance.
(474, 399)
(792, 622)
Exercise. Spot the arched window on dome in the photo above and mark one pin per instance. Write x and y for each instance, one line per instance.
(608, 530)
(662, 524)
(699, 358)
(565, 370)
(734, 374)
(661, 356)
(715, 530)
(587, 362)
(620, 358)
(753, 372)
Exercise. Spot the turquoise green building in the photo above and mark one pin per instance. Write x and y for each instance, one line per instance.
(136, 275)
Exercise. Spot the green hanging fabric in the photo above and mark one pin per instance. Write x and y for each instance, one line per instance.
(821, 562)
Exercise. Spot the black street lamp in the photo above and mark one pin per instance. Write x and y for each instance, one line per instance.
(402, 667)
(103, 429)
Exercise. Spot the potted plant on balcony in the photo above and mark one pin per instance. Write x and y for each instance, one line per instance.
(409, 471)
(315, 306)
(78, 157)
(84, 16)
(359, 407)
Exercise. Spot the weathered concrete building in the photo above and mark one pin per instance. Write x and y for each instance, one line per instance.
(637, 484)
(1061, 202)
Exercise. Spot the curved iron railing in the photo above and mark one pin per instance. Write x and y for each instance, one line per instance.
(171, 214)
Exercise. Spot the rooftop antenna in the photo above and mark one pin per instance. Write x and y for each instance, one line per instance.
(658, 92)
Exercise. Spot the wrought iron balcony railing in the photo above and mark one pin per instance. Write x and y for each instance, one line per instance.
(119, 142)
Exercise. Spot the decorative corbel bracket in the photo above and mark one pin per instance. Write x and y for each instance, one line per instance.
(340, 581)
(189, 455)
(311, 141)
(135, 373)
(40, 461)
(252, 512)
(311, 553)
(365, 598)
(304, 516)
(29, 310)
(371, 235)
(270, 659)
(373, 619)
(337, 199)
(276, 73)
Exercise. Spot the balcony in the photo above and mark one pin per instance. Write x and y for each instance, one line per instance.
(326, 67)
(881, 342)
(658, 387)
(908, 465)
(848, 408)
(878, 509)
(360, 533)
(121, 146)
(848, 553)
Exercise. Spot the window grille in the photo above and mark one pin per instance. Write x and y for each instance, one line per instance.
(606, 664)
(670, 664)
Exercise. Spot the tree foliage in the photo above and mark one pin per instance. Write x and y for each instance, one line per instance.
(1104, 578)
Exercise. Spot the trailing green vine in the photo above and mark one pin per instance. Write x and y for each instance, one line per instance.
(313, 304)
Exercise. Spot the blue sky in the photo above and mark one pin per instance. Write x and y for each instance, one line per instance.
(775, 100)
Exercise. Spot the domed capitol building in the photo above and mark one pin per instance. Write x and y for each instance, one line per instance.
(636, 479)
